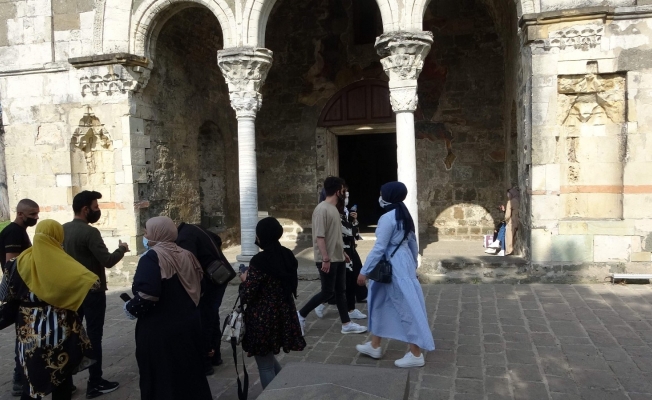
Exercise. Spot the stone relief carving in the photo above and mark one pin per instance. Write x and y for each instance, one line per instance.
(98, 26)
(90, 136)
(572, 38)
(245, 71)
(589, 98)
(403, 54)
(113, 79)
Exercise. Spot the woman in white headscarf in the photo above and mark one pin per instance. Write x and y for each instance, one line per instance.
(168, 333)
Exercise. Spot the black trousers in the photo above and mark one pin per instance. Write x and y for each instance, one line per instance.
(333, 283)
(94, 310)
(18, 369)
(209, 308)
(61, 392)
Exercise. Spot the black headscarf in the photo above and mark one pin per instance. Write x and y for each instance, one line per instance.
(395, 193)
(276, 260)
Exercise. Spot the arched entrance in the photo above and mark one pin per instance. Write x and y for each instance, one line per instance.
(358, 129)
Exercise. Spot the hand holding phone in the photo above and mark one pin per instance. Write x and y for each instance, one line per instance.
(125, 297)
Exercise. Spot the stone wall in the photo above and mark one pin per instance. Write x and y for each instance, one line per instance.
(192, 159)
(591, 191)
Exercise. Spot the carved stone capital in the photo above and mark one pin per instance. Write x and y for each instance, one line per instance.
(245, 70)
(403, 55)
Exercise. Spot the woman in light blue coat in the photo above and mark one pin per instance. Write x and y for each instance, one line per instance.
(397, 309)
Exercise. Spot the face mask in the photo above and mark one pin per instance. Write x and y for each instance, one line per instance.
(145, 243)
(382, 202)
(30, 221)
(93, 216)
(346, 201)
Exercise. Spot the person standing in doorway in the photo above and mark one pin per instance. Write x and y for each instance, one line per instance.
(330, 256)
(13, 241)
(85, 244)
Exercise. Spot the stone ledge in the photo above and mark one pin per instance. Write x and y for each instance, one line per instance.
(323, 381)
(583, 13)
(125, 59)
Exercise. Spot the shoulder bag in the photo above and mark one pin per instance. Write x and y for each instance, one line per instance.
(219, 271)
(8, 305)
(382, 272)
(233, 332)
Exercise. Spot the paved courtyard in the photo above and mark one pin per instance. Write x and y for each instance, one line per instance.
(493, 342)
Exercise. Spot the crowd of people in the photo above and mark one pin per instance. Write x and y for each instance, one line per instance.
(60, 280)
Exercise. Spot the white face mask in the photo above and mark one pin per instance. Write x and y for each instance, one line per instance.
(382, 202)
(346, 202)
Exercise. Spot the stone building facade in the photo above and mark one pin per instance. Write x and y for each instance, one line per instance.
(210, 111)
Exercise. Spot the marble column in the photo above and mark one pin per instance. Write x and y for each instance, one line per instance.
(245, 70)
(403, 54)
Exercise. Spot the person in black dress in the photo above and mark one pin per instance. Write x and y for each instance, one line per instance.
(268, 290)
(169, 347)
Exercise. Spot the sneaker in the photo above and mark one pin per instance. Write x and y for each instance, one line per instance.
(501, 253)
(491, 250)
(495, 244)
(368, 349)
(409, 361)
(356, 314)
(302, 323)
(352, 327)
(100, 388)
(17, 389)
(320, 310)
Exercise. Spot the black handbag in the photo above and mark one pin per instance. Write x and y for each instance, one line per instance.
(382, 272)
(8, 306)
(219, 271)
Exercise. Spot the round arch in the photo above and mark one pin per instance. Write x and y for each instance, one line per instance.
(256, 14)
(151, 15)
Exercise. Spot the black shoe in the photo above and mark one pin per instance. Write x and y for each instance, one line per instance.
(209, 371)
(73, 389)
(17, 389)
(102, 387)
(217, 361)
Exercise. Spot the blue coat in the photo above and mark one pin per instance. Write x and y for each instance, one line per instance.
(397, 309)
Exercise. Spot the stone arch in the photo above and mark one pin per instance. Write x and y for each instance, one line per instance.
(151, 16)
(256, 14)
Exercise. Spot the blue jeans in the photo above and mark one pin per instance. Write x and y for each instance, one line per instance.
(501, 236)
(268, 368)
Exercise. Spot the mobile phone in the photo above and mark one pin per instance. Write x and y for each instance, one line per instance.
(243, 269)
(125, 297)
(354, 208)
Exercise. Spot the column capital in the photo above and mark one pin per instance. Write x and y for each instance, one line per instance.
(245, 70)
(403, 54)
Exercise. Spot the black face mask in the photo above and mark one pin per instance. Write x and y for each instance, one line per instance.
(30, 221)
(93, 216)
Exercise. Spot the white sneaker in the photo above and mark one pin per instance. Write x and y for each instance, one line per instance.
(501, 253)
(368, 349)
(352, 327)
(356, 314)
(302, 323)
(495, 244)
(491, 250)
(409, 361)
(320, 310)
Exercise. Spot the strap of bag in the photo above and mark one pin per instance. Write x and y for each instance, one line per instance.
(217, 251)
(243, 392)
(399, 245)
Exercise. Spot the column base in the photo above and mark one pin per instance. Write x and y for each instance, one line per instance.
(241, 258)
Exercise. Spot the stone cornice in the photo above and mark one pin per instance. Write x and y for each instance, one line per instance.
(403, 55)
(126, 59)
(604, 13)
(245, 70)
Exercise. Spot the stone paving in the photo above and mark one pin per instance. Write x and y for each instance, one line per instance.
(493, 342)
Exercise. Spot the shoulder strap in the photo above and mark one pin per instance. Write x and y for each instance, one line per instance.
(243, 392)
(209, 238)
(399, 245)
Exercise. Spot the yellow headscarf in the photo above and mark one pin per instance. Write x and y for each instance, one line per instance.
(50, 273)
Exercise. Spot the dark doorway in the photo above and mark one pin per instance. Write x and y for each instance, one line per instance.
(366, 162)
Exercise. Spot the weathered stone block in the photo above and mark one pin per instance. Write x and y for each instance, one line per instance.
(541, 245)
(575, 248)
(637, 205)
(65, 22)
(645, 256)
(615, 248)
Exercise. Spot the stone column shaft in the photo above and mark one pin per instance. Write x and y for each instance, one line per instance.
(245, 70)
(403, 56)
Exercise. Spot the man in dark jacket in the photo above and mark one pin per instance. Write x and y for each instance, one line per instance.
(84, 243)
(205, 245)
